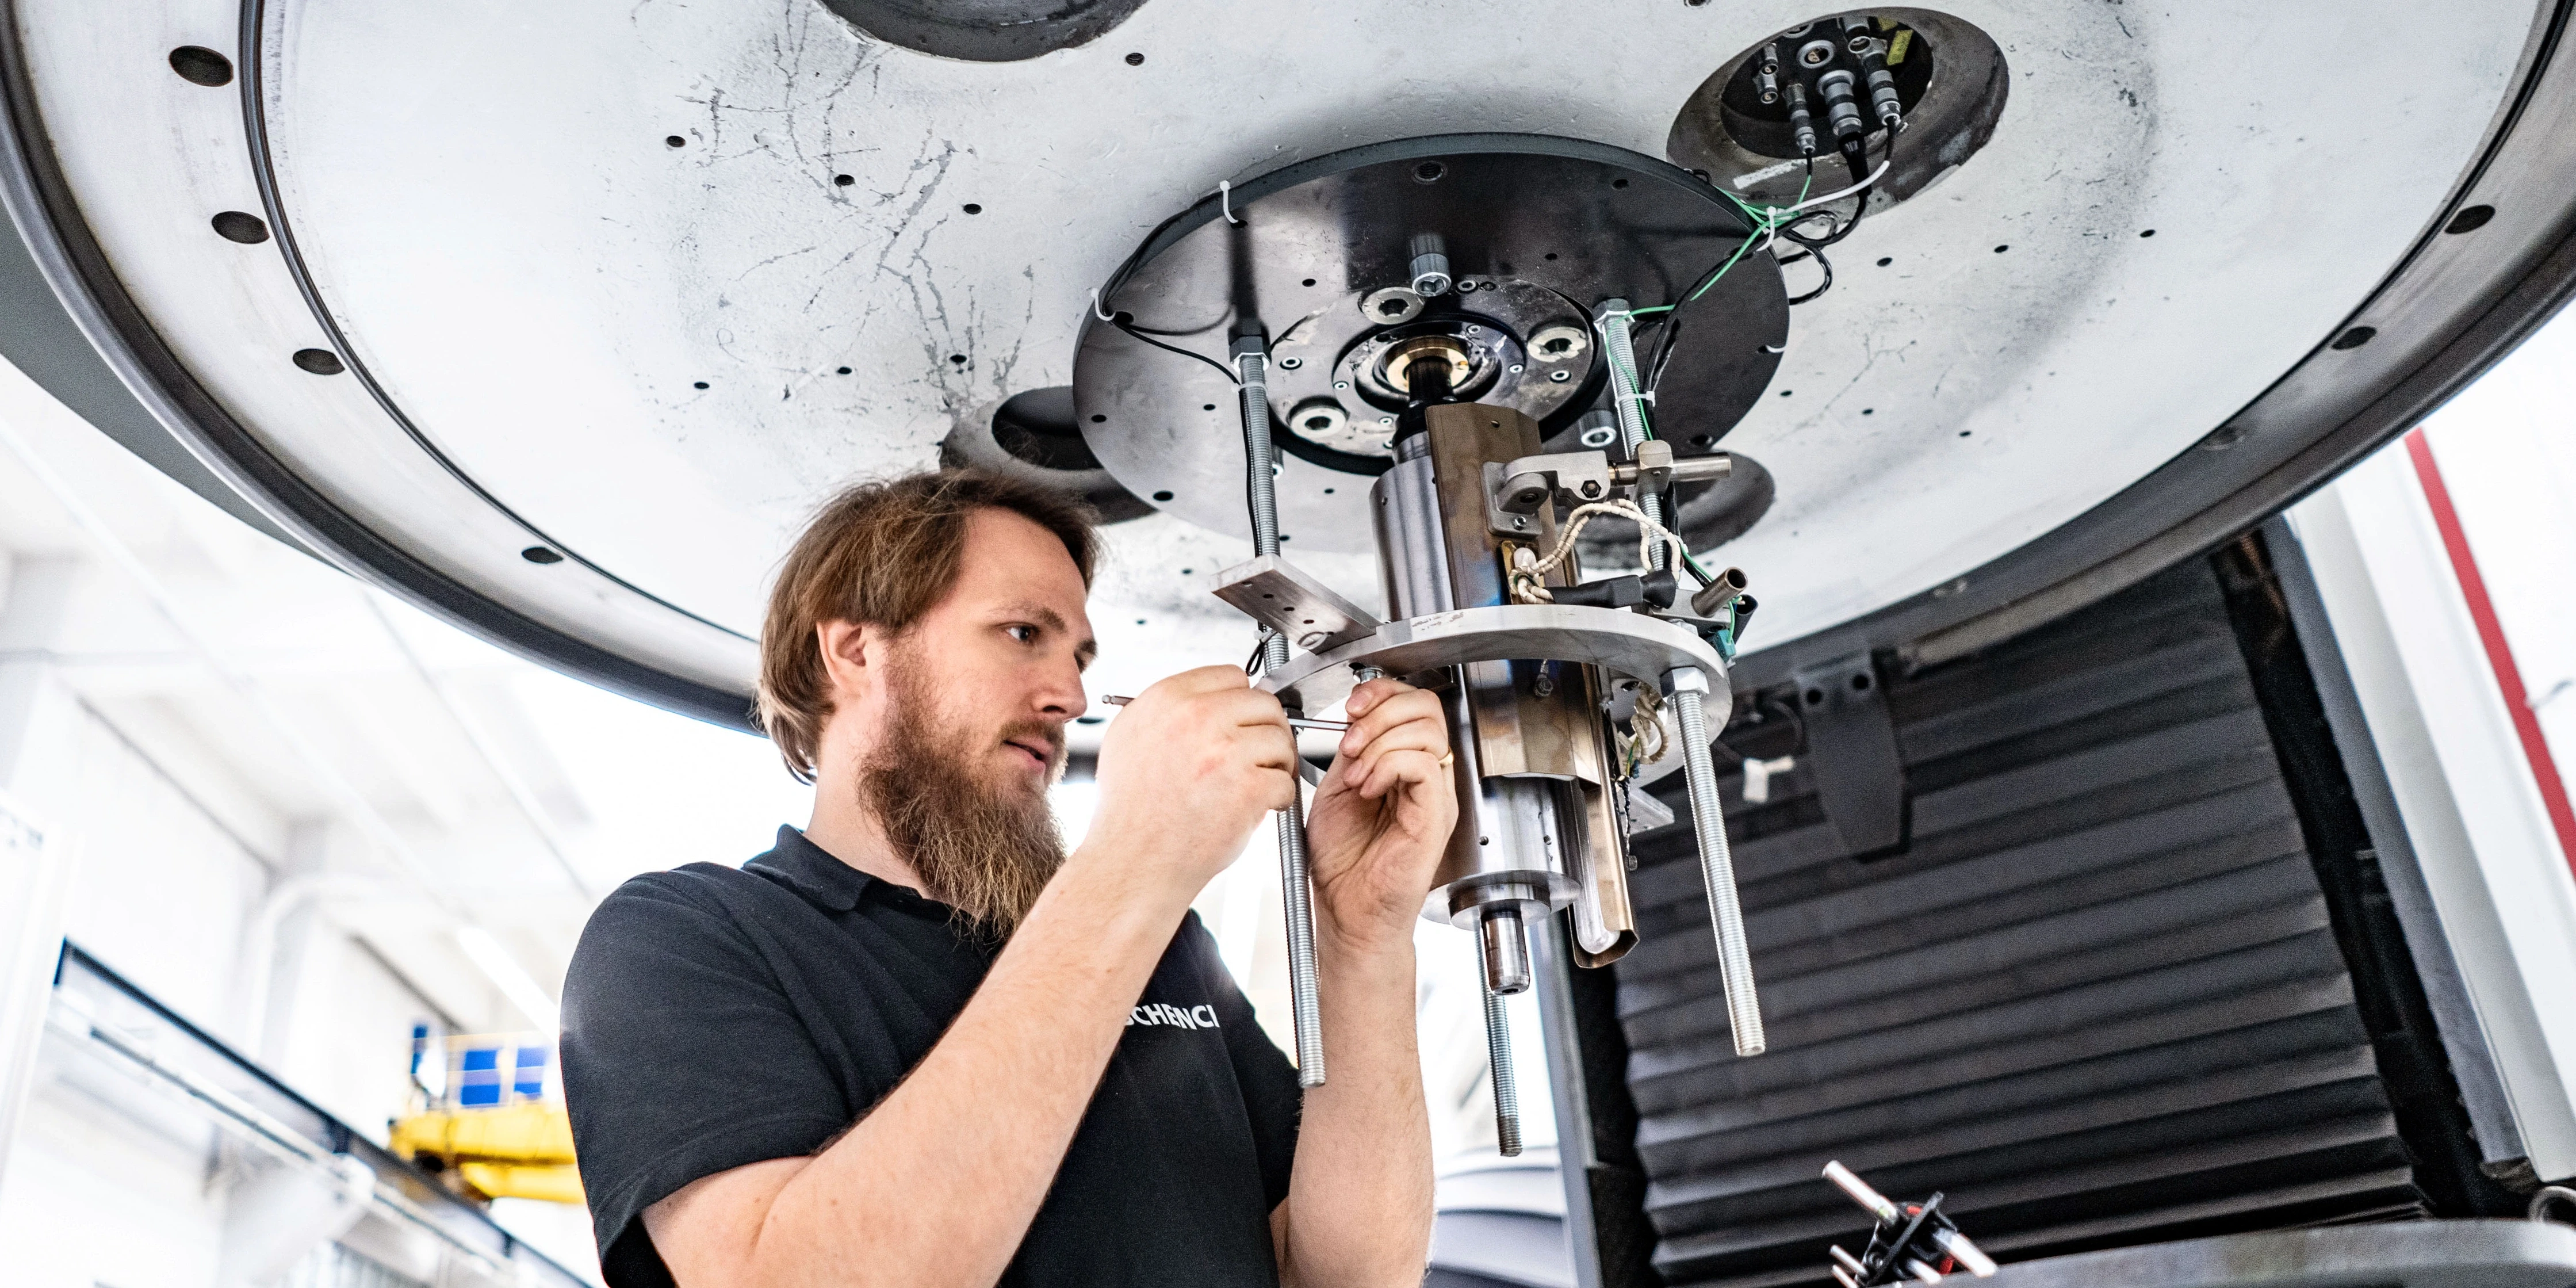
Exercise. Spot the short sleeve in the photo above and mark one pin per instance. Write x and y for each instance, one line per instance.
(1271, 1096)
(682, 1058)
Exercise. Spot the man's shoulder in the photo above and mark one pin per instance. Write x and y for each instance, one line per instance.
(692, 901)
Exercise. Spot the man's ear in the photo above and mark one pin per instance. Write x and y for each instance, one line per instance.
(853, 658)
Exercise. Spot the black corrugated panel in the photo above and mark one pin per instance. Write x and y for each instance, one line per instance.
(2098, 999)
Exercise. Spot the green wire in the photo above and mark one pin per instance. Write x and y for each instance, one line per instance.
(1765, 220)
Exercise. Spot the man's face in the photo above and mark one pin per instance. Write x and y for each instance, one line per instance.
(997, 665)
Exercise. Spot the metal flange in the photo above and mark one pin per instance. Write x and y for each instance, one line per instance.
(1628, 644)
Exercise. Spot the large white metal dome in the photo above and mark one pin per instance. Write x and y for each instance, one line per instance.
(637, 283)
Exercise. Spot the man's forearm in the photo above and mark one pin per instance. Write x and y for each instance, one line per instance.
(938, 1184)
(1359, 1201)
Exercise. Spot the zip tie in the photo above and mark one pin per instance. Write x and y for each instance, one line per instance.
(1225, 200)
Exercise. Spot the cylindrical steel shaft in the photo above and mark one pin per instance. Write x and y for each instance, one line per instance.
(1627, 402)
(1252, 363)
(1505, 950)
(1498, 1054)
(1717, 863)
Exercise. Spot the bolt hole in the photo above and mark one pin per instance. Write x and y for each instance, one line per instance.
(1869, 411)
(1860, 683)
(2355, 338)
(699, 384)
(973, 209)
(540, 555)
(843, 180)
(842, 371)
(1310, 281)
(1135, 60)
(958, 358)
(1391, 308)
(2001, 249)
(1884, 261)
(199, 65)
(1429, 172)
(1099, 420)
(321, 362)
(1166, 496)
(674, 141)
(1618, 183)
(2470, 219)
(1702, 440)
(2148, 233)
(1815, 697)
(233, 225)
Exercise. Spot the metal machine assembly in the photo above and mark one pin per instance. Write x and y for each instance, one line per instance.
(1449, 322)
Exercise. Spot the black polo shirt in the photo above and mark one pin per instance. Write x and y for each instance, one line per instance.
(720, 1016)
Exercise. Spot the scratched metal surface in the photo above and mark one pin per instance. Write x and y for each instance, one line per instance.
(487, 202)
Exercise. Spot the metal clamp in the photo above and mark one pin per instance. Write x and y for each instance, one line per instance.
(1527, 484)
(1295, 606)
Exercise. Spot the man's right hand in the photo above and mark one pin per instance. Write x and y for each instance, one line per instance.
(1187, 770)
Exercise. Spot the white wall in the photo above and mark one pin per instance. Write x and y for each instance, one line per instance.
(2469, 788)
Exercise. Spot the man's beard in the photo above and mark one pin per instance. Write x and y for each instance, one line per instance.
(983, 848)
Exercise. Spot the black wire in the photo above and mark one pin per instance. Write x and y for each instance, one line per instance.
(1816, 253)
(1664, 349)
(1120, 321)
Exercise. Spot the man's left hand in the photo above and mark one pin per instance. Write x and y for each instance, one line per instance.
(1383, 814)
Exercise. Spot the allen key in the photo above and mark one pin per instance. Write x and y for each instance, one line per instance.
(1294, 722)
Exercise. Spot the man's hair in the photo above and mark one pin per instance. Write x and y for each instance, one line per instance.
(881, 554)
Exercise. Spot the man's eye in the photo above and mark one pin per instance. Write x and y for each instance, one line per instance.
(1023, 634)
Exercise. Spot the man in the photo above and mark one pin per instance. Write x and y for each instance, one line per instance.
(917, 1044)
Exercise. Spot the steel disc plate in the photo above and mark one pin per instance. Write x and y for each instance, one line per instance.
(1541, 228)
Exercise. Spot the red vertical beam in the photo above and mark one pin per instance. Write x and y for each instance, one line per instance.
(2517, 700)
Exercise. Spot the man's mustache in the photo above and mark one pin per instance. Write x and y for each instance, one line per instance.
(1050, 736)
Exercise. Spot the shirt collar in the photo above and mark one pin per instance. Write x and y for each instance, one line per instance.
(811, 871)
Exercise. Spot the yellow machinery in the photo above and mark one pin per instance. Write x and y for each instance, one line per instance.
(494, 1125)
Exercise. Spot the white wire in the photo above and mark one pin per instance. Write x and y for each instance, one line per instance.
(1837, 196)
(1095, 306)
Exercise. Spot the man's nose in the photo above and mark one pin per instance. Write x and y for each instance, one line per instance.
(1060, 696)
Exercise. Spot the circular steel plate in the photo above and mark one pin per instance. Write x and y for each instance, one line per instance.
(1542, 228)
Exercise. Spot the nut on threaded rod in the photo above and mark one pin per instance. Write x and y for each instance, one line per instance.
(1504, 948)
(1252, 365)
(1716, 862)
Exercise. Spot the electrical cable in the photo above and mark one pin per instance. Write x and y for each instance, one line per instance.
(1123, 322)
(1816, 253)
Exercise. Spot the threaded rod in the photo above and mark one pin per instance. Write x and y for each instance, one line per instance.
(1627, 402)
(1498, 1057)
(1297, 892)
